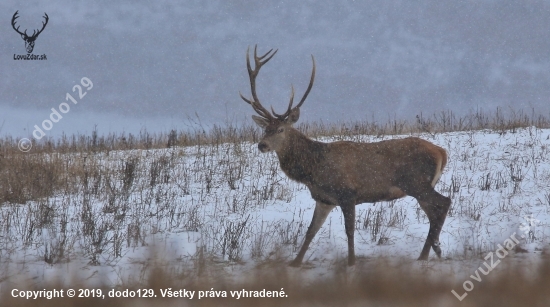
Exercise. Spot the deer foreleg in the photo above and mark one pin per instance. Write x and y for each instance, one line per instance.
(319, 217)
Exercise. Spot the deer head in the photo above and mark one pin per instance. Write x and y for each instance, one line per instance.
(275, 125)
(29, 40)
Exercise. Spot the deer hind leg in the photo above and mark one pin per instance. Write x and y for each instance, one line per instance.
(349, 221)
(319, 216)
(436, 207)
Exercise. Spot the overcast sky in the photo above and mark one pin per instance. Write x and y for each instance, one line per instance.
(154, 64)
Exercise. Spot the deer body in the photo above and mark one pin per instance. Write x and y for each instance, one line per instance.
(349, 173)
(333, 170)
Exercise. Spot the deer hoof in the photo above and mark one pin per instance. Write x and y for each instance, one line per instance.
(422, 258)
(295, 263)
(437, 250)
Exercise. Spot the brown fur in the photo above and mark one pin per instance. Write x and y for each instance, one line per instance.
(347, 173)
(369, 172)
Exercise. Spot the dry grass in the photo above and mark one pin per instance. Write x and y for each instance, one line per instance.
(377, 282)
(42, 173)
(80, 171)
(197, 134)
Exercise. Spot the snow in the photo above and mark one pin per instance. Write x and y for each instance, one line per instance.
(235, 205)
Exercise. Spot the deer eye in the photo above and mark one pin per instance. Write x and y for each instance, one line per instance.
(280, 130)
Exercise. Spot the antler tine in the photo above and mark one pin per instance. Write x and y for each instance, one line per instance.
(260, 111)
(258, 59)
(252, 73)
(311, 80)
(289, 109)
(283, 116)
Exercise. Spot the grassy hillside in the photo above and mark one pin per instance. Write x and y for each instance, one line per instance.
(201, 209)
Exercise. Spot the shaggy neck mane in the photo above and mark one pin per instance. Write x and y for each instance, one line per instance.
(300, 156)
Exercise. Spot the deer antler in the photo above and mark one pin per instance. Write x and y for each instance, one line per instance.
(255, 102)
(289, 109)
(258, 63)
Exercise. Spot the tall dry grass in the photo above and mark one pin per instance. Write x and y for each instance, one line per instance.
(446, 121)
(42, 173)
(67, 166)
(378, 282)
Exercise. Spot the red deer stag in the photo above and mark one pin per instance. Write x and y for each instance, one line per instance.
(348, 173)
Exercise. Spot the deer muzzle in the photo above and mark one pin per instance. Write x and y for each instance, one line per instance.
(263, 147)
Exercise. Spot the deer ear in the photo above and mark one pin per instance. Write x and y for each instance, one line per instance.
(293, 116)
(260, 121)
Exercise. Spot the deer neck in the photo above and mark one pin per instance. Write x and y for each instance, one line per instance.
(300, 156)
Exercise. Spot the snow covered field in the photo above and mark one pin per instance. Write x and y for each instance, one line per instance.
(232, 206)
